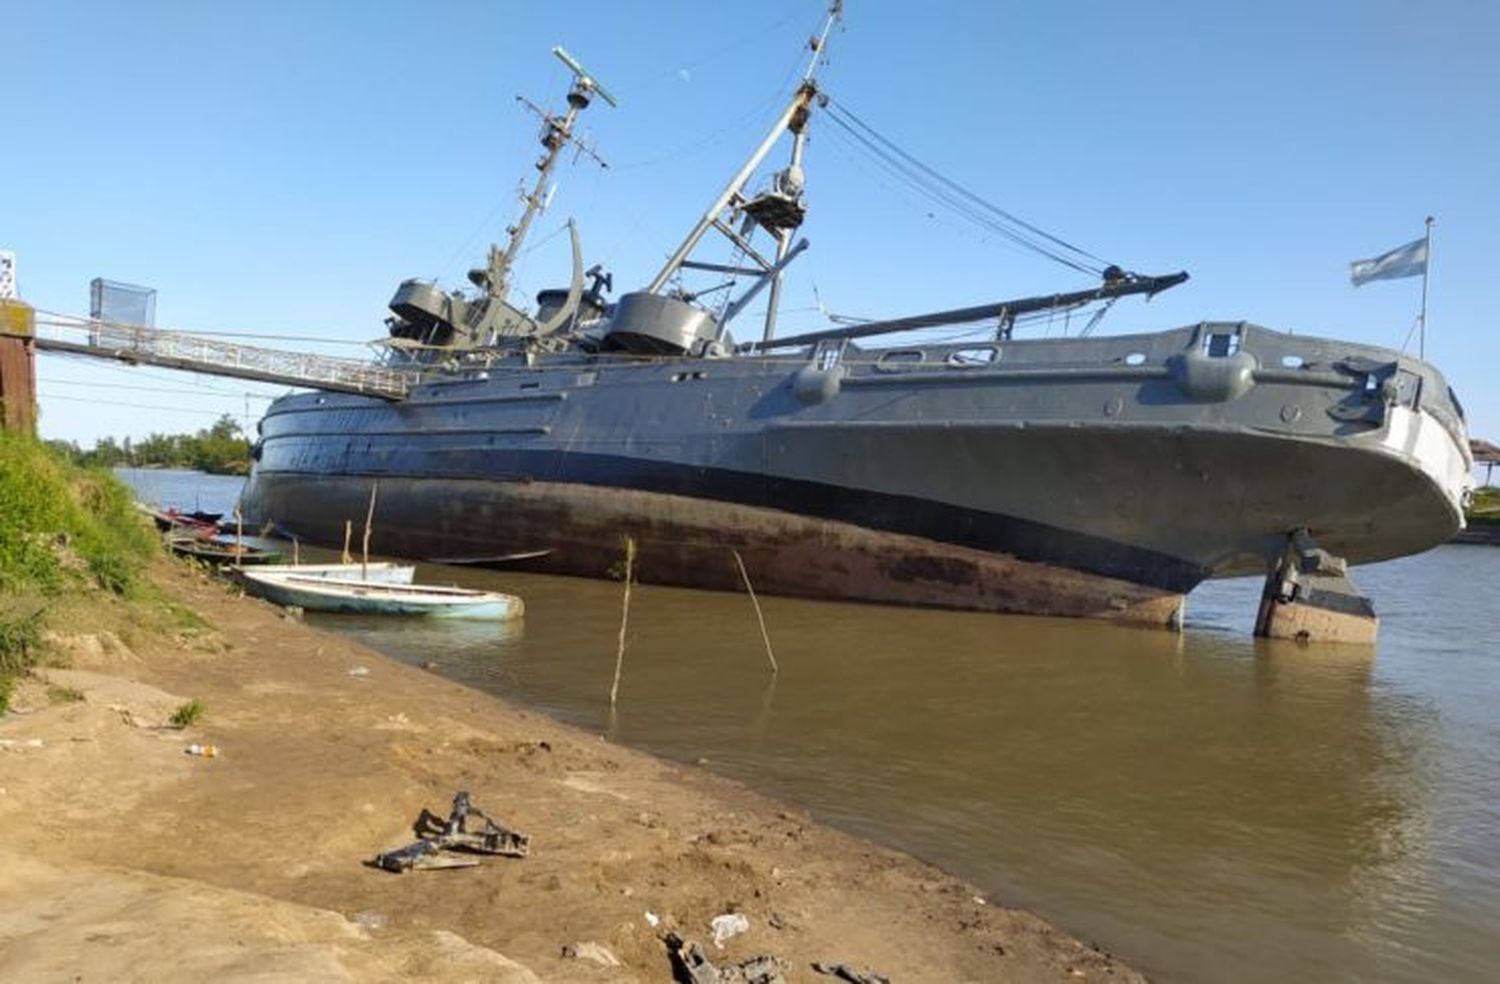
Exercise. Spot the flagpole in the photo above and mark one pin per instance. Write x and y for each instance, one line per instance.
(1422, 318)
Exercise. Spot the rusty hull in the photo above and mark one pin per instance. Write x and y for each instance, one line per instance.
(687, 541)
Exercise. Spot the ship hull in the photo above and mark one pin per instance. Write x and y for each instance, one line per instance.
(577, 529)
(1073, 482)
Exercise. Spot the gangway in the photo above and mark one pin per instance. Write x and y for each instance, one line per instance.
(216, 357)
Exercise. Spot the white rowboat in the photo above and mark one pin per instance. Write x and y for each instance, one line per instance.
(367, 597)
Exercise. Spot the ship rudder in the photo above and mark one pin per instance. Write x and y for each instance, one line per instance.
(1308, 597)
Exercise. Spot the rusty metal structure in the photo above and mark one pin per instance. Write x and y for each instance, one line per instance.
(17, 368)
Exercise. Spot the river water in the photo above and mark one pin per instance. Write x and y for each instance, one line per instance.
(1207, 806)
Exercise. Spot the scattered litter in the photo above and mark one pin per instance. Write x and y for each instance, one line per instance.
(652, 919)
(691, 965)
(436, 835)
(425, 854)
(360, 671)
(728, 926)
(203, 751)
(979, 900)
(371, 920)
(590, 950)
(844, 972)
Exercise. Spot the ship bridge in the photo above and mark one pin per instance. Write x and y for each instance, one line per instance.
(219, 356)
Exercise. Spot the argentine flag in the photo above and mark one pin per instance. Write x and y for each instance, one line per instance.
(1403, 261)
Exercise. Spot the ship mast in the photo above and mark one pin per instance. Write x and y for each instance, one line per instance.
(436, 321)
(779, 211)
(557, 133)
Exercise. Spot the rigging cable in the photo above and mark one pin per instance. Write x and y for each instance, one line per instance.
(961, 200)
(137, 406)
(211, 393)
(947, 201)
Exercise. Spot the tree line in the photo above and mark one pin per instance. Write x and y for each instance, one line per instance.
(221, 449)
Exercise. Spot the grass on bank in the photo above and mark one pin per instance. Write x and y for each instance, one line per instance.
(1484, 509)
(65, 532)
(187, 714)
(20, 647)
(64, 695)
(62, 526)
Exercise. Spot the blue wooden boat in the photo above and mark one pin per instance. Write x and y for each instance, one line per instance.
(222, 552)
(324, 594)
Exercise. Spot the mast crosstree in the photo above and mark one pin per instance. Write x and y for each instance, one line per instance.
(779, 211)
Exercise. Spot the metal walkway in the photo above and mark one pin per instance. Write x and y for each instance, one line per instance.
(178, 350)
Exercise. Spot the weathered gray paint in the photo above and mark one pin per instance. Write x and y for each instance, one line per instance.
(1142, 441)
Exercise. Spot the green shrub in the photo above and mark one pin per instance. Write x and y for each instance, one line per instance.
(20, 642)
(61, 524)
(64, 695)
(187, 714)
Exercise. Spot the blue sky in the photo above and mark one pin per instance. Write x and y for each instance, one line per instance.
(278, 167)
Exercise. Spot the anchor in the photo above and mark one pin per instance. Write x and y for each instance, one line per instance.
(1309, 597)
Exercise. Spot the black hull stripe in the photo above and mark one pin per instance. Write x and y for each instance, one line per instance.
(993, 532)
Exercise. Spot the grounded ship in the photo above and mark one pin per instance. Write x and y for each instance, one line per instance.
(1078, 476)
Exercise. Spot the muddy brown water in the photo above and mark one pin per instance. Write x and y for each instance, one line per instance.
(1207, 806)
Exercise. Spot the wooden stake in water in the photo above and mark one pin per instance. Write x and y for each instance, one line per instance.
(347, 558)
(296, 553)
(364, 558)
(765, 636)
(239, 537)
(614, 690)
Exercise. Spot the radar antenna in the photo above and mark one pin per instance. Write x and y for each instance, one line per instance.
(557, 133)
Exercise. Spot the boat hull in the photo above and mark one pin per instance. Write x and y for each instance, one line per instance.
(1097, 478)
(383, 572)
(320, 594)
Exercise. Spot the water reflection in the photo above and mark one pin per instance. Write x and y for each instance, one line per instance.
(471, 651)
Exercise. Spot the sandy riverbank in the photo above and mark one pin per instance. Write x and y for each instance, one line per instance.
(122, 858)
